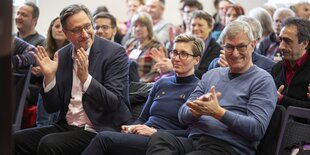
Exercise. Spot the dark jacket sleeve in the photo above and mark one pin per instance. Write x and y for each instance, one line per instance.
(23, 54)
(213, 51)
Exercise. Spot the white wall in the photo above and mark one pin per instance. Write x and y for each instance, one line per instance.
(51, 8)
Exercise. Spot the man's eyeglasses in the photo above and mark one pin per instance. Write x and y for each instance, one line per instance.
(79, 30)
(240, 48)
(182, 55)
(103, 27)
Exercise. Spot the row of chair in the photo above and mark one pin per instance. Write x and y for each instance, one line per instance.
(286, 128)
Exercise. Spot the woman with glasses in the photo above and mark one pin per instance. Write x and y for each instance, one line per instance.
(201, 25)
(139, 48)
(161, 109)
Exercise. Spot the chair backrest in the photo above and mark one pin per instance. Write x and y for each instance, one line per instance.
(138, 94)
(22, 79)
(269, 142)
(296, 128)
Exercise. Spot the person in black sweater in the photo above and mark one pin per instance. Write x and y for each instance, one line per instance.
(292, 75)
(161, 109)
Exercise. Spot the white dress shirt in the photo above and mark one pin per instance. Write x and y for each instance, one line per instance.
(76, 115)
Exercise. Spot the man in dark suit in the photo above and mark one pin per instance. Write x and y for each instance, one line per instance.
(87, 81)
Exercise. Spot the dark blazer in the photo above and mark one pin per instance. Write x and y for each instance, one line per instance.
(212, 51)
(106, 99)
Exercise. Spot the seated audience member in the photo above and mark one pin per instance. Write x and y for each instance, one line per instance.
(230, 109)
(105, 25)
(301, 9)
(26, 21)
(292, 75)
(22, 53)
(219, 17)
(161, 109)
(139, 47)
(264, 19)
(156, 9)
(269, 45)
(133, 6)
(201, 27)
(189, 7)
(231, 13)
(87, 82)
(118, 36)
(55, 40)
(258, 60)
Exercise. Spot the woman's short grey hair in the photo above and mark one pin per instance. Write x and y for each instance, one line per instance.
(255, 25)
(235, 27)
(283, 11)
(264, 19)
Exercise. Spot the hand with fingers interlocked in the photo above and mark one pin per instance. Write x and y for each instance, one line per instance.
(139, 129)
(207, 104)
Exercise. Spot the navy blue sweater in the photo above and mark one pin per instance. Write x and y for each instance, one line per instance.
(165, 99)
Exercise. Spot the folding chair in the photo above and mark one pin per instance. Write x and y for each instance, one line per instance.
(294, 129)
(22, 79)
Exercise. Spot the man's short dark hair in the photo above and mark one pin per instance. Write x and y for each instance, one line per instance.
(106, 15)
(72, 10)
(193, 3)
(303, 28)
(101, 9)
(35, 9)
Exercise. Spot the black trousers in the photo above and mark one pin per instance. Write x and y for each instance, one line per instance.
(58, 139)
(163, 143)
